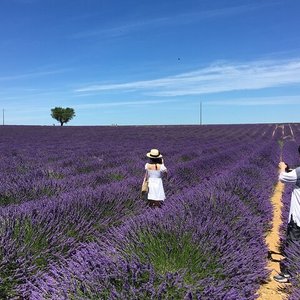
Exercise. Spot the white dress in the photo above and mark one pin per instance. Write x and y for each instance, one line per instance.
(156, 188)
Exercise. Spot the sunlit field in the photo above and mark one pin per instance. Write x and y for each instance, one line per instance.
(74, 225)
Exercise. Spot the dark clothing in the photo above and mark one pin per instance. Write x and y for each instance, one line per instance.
(155, 203)
(293, 234)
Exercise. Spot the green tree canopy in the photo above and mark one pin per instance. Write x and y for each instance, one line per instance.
(62, 115)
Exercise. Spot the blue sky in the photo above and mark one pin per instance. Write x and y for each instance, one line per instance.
(150, 62)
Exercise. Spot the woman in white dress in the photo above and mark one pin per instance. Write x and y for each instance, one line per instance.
(154, 170)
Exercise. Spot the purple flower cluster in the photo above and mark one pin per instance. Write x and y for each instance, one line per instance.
(73, 225)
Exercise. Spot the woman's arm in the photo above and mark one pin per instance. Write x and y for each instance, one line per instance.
(163, 168)
(286, 177)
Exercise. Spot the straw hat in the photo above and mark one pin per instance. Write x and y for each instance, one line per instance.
(154, 153)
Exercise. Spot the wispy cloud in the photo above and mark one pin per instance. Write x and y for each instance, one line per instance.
(120, 30)
(258, 101)
(218, 77)
(41, 108)
(120, 103)
(20, 98)
(168, 20)
(33, 74)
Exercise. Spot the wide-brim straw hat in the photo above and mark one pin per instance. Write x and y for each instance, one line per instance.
(154, 153)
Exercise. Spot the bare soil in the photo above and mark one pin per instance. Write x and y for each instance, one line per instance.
(272, 290)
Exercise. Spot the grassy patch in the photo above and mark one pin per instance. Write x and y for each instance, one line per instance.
(7, 281)
(54, 175)
(85, 170)
(7, 200)
(48, 191)
(186, 158)
(22, 169)
(116, 176)
(32, 243)
(72, 233)
(170, 253)
(28, 233)
(280, 143)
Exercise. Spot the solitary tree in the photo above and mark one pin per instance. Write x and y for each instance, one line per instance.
(62, 115)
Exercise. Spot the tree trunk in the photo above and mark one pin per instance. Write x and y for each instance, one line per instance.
(61, 123)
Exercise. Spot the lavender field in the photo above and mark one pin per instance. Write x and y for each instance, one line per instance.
(74, 226)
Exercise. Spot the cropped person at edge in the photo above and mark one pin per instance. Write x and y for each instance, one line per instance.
(293, 230)
(154, 170)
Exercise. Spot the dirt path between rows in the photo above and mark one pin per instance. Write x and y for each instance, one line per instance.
(272, 289)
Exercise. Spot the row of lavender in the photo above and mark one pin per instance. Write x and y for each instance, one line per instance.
(207, 243)
(290, 155)
(38, 232)
(38, 166)
(53, 230)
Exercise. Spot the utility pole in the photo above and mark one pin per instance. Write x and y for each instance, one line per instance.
(3, 116)
(200, 113)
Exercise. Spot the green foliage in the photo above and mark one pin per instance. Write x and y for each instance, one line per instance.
(62, 115)
(85, 169)
(7, 281)
(185, 158)
(7, 200)
(116, 176)
(26, 233)
(280, 143)
(86, 294)
(84, 291)
(188, 157)
(54, 175)
(170, 253)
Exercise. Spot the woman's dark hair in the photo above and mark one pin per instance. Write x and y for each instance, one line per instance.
(154, 161)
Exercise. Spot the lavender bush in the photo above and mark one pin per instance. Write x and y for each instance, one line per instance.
(73, 225)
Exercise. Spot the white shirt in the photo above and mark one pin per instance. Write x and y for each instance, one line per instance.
(293, 177)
